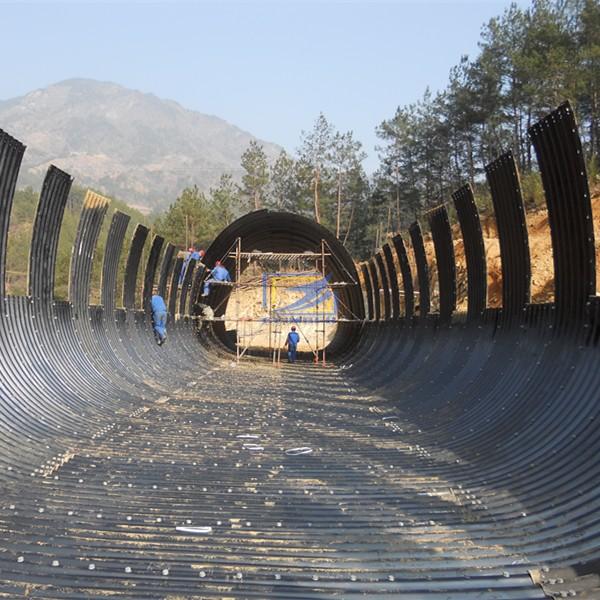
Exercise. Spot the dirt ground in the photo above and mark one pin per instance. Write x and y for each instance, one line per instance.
(540, 247)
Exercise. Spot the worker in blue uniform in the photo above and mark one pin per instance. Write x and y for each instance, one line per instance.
(186, 259)
(292, 341)
(219, 273)
(159, 319)
(191, 254)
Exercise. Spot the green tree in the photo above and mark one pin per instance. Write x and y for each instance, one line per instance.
(188, 220)
(398, 172)
(289, 184)
(225, 205)
(314, 151)
(256, 176)
(345, 157)
(502, 44)
(529, 61)
(416, 166)
(589, 72)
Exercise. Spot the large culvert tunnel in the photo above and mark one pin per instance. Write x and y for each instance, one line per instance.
(436, 454)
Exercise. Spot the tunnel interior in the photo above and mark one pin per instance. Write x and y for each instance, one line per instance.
(290, 238)
(445, 454)
(277, 291)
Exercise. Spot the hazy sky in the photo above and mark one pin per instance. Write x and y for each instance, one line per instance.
(268, 67)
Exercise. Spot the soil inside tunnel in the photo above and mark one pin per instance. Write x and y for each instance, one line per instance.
(540, 247)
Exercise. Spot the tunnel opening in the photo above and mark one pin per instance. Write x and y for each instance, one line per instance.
(286, 270)
(277, 291)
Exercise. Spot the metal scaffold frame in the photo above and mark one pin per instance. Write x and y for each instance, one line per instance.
(273, 321)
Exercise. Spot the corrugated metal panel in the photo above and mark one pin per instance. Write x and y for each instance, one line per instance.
(448, 462)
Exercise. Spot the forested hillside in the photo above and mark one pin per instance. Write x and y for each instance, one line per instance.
(529, 61)
(324, 180)
(19, 241)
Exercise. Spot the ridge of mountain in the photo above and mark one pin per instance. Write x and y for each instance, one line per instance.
(123, 142)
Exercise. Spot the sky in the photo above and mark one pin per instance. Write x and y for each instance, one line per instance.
(268, 67)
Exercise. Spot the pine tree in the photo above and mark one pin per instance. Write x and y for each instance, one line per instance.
(188, 220)
(256, 176)
(285, 185)
(345, 156)
(589, 72)
(314, 151)
(225, 204)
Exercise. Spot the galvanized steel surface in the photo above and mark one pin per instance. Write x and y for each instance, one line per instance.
(470, 226)
(436, 458)
(445, 261)
(394, 290)
(416, 238)
(385, 286)
(46, 231)
(405, 270)
(562, 167)
(370, 313)
(509, 210)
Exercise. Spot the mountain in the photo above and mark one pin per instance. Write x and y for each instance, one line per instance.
(135, 146)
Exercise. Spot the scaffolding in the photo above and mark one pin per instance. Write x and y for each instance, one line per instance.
(275, 320)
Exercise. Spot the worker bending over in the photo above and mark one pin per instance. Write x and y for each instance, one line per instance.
(159, 319)
(292, 341)
(219, 273)
(191, 254)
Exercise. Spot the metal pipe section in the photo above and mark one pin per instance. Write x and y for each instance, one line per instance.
(394, 290)
(505, 186)
(437, 457)
(470, 225)
(267, 231)
(407, 276)
(444, 260)
(416, 238)
(46, 231)
(112, 254)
